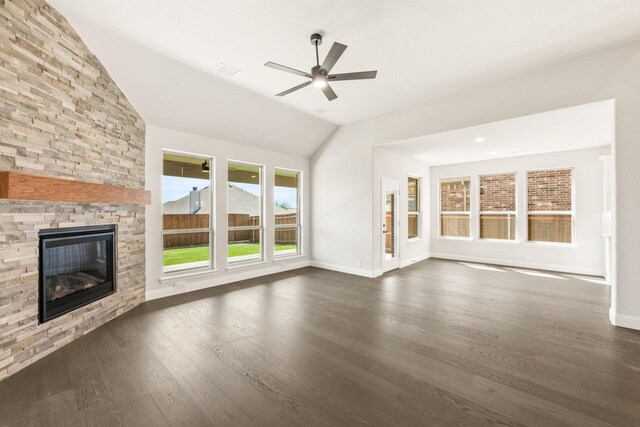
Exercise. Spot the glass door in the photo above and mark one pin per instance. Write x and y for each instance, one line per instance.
(390, 221)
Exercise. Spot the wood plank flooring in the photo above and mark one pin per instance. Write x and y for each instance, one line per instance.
(436, 343)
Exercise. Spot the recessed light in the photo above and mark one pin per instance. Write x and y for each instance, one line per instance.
(493, 153)
(320, 110)
(479, 139)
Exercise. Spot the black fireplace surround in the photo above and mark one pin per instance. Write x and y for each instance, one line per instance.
(76, 267)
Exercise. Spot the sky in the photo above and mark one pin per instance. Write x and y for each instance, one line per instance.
(174, 188)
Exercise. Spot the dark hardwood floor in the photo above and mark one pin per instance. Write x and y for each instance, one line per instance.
(437, 343)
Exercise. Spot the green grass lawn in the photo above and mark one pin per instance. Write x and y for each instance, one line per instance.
(201, 253)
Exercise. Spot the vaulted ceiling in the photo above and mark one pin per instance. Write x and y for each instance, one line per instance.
(164, 53)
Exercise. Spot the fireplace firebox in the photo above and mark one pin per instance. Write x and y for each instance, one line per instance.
(76, 268)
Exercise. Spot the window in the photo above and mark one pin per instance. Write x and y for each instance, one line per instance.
(550, 205)
(454, 207)
(498, 206)
(413, 208)
(244, 212)
(187, 233)
(287, 212)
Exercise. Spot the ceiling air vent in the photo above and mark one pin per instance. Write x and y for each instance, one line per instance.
(226, 70)
(320, 110)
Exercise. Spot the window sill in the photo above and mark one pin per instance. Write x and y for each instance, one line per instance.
(242, 264)
(500, 241)
(554, 244)
(287, 257)
(464, 239)
(168, 277)
(414, 240)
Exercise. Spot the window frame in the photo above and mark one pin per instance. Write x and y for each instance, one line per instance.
(418, 212)
(572, 212)
(441, 212)
(211, 229)
(298, 224)
(480, 212)
(260, 228)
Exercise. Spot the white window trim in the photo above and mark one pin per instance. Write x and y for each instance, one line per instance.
(514, 213)
(211, 229)
(417, 213)
(298, 225)
(572, 212)
(441, 212)
(261, 228)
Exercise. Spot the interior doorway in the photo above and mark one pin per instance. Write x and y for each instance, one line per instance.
(390, 224)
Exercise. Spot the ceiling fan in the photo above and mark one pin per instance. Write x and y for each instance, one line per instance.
(319, 76)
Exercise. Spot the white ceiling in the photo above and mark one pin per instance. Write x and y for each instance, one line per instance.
(171, 94)
(422, 48)
(583, 126)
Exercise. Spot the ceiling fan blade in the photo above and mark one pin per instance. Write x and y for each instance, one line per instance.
(360, 75)
(293, 89)
(329, 93)
(334, 54)
(287, 69)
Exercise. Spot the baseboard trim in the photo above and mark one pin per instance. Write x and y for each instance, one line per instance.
(210, 282)
(624, 321)
(532, 265)
(343, 269)
(362, 272)
(152, 294)
(612, 316)
(414, 260)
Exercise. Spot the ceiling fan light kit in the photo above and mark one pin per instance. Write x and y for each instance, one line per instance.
(319, 76)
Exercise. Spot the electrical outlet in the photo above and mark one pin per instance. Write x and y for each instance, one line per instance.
(179, 287)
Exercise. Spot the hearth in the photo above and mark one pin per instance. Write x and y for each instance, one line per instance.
(76, 267)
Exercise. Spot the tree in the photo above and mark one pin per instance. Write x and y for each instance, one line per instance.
(283, 204)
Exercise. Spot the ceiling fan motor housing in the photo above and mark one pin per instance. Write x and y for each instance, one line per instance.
(316, 39)
(317, 69)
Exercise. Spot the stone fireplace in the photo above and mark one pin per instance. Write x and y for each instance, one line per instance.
(66, 127)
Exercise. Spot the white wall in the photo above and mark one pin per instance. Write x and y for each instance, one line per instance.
(161, 138)
(342, 170)
(585, 255)
(341, 192)
(390, 165)
(607, 205)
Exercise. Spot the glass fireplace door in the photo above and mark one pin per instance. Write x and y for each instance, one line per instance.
(76, 267)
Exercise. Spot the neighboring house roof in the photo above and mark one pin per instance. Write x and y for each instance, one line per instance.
(240, 202)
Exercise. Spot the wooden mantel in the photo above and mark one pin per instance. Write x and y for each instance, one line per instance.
(19, 186)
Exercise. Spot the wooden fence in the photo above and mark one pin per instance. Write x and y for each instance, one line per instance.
(541, 228)
(454, 225)
(550, 228)
(184, 222)
(388, 237)
(287, 236)
(498, 227)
